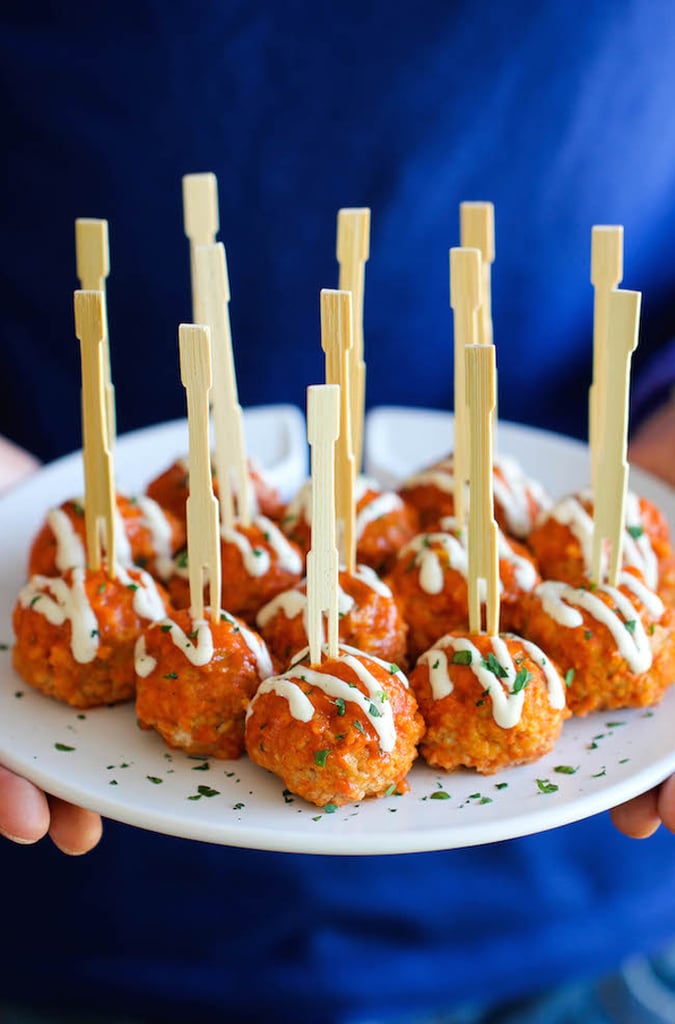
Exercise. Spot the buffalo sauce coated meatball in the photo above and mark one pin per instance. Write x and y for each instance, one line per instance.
(170, 490)
(488, 702)
(615, 645)
(195, 680)
(369, 619)
(518, 500)
(429, 581)
(562, 542)
(146, 536)
(383, 523)
(336, 732)
(76, 633)
(258, 562)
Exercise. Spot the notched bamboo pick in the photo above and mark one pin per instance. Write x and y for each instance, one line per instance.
(228, 422)
(323, 427)
(606, 275)
(477, 231)
(203, 540)
(92, 255)
(99, 487)
(353, 250)
(336, 341)
(609, 498)
(465, 299)
(201, 221)
(482, 539)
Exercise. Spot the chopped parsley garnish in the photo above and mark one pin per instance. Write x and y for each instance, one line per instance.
(101, 588)
(340, 705)
(565, 769)
(166, 627)
(501, 785)
(132, 586)
(390, 789)
(94, 633)
(439, 794)
(436, 663)
(462, 658)
(237, 807)
(614, 725)
(651, 629)
(359, 725)
(545, 786)
(203, 767)
(330, 808)
(320, 757)
(35, 599)
(587, 634)
(374, 711)
(630, 625)
(520, 682)
(154, 779)
(636, 531)
(207, 791)
(393, 668)
(485, 800)
(4, 647)
(77, 508)
(63, 747)
(182, 559)
(599, 775)
(171, 675)
(492, 665)
(569, 677)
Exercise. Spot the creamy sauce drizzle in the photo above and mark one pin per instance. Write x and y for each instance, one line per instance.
(157, 524)
(561, 602)
(384, 502)
(289, 686)
(257, 560)
(59, 602)
(70, 553)
(199, 648)
(507, 707)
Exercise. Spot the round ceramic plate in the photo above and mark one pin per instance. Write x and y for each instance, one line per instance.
(101, 760)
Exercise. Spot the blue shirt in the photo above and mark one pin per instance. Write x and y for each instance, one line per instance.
(560, 114)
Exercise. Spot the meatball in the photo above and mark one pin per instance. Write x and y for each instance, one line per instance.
(76, 633)
(518, 500)
(562, 542)
(488, 702)
(429, 581)
(195, 680)
(382, 526)
(170, 490)
(370, 619)
(145, 535)
(336, 732)
(615, 645)
(258, 562)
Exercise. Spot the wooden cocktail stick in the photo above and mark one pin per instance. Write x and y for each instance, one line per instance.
(323, 427)
(609, 498)
(465, 299)
(228, 421)
(336, 341)
(99, 486)
(203, 540)
(201, 220)
(353, 250)
(477, 231)
(482, 540)
(92, 254)
(606, 275)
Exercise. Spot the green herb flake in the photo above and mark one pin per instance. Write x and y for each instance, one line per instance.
(18, 694)
(545, 786)
(462, 658)
(166, 627)
(390, 789)
(330, 808)
(182, 559)
(485, 800)
(492, 665)
(77, 508)
(195, 796)
(207, 791)
(320, 757)
(94, 632)
(393, 668)
(614, 725)
(630, 625)
(592, 746)
(154, 779)
(436, 664)
(474, 796)
(624, 760)
(599, 775)
(288, 796)
(587, 634)
(63, 747)
(100, 588)
(439, 794)
(652, 627)
(569, 677)
(501, 785)
(171, 675)
(359, 725)
(237, 807)
(565, 769)
(34, 600)
(113, 782)
(203, 767)
(636, 531)
(133, 587)
(81, 717)
(374, 711)
(520, 682)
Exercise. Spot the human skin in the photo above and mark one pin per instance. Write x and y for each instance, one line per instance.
(28, 815)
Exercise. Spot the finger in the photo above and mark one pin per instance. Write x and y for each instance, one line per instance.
(666, 803)
(24, 812)
(73, 829)
(638, 818)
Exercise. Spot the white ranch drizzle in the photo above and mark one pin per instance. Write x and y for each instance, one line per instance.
(524, 570)
(637, 552)
(507, 707)
(511, 490)
(257, 559)
(252, 464)
(293, 602)
(146, 602)
(58, 602)
(198, 648)
(561, 602)
(381, 505)
(301, 708)
(301, 505)
(70, 551)
(156, 522)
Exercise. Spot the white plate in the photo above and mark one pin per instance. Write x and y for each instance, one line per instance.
(131, 776)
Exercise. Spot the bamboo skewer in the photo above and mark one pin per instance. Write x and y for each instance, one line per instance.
(482, 540)
(353, 250)
(323, 427)
(336, 341)
(99, 492)
(228, 421)
(465, 299)
(201, 220)
(203, 541)
(609, 498)
(92, 254)
(477, 231)
(606, 275)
